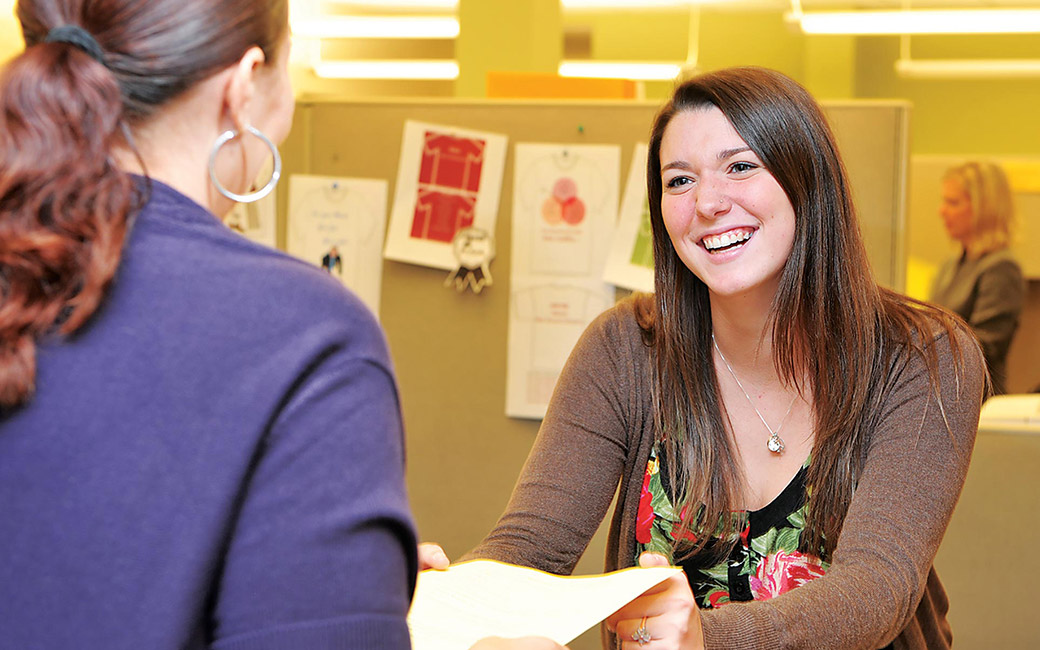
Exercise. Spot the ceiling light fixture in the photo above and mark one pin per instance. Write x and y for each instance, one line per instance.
(967, 68)
(919, 21)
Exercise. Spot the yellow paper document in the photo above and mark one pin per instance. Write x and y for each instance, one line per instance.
(454, 609)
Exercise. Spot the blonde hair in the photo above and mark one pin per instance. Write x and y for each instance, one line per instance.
(992, 206)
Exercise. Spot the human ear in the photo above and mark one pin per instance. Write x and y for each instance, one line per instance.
(241, 86)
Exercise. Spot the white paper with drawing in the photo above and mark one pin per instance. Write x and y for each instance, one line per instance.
(564, 211)
(448, 179)
(337, 224)
(454, 609)
(630, 263)
(256, 221)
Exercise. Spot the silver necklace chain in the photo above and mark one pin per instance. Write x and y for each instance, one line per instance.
(775, 443)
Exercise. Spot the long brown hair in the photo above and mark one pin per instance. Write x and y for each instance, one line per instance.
(827, 302)
(65, 206)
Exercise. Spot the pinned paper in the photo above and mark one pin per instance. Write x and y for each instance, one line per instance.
(448, 179)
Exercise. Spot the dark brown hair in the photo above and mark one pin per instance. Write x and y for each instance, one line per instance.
(65, 206)
(827, 302)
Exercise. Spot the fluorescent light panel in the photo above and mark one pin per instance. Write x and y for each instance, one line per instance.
(967, 68)
(952, 21)
(387, 69)
(620, 70)
(376, 27)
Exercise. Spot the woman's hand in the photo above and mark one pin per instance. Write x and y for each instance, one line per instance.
(432, 556)
(664, 617)
(523, 643)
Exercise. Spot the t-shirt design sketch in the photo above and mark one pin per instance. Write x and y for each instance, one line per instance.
(553, 318)
(449, 180)
(565, 195)
(337, 224)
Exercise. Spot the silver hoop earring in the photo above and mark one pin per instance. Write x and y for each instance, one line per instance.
(228, 136)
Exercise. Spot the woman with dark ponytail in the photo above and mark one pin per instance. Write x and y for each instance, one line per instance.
(200, 438)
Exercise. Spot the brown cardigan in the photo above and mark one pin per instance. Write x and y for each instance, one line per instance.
(880, 588)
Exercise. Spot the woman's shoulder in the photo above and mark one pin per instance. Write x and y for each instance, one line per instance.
(932, 336)
(207, 277)
(630, 319)
(999, 261)
(615, 338)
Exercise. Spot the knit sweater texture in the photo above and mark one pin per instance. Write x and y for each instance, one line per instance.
(215, 461)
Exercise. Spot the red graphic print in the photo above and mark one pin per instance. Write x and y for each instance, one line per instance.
(451, 162)
(449, 179)
(645, 515)
(563, 206)
(439, 216)
(782, 571)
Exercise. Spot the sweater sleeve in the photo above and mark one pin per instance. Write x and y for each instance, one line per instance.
(323, 552)
(572, 472)
(916, 463)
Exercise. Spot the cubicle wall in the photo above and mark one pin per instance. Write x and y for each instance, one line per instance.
(986, 560)
(449, 348)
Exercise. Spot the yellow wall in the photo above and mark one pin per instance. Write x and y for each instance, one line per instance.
(505, 35)
(976, 117)
(10, 33)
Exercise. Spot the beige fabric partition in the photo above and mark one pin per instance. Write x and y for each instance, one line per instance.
(464, 454)
(986, 560)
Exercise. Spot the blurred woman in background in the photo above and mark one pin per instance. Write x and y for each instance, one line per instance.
(984, 283)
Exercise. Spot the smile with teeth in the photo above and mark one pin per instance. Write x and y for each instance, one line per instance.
(728, 240)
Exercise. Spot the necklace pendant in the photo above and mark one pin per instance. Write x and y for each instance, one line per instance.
(775, 444)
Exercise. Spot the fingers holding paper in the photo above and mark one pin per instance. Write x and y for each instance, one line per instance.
(664, 617)
(432, 556)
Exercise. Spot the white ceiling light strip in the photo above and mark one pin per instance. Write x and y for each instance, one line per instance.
(919, 21)
(376, 27)
(967, 68)
(639, 71)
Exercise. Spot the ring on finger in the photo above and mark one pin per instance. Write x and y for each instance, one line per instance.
(641, 635)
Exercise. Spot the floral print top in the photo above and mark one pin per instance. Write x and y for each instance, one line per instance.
(766, 561)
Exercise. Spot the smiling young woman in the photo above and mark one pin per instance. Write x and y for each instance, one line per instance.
(791, 434)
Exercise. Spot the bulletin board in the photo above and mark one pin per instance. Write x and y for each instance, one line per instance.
(449, 348)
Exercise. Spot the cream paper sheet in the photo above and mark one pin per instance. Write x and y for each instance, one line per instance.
(454, 609)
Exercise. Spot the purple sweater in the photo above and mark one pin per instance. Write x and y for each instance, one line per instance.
(215, 461)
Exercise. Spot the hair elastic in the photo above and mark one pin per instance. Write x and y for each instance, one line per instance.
(79, 37)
